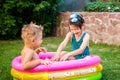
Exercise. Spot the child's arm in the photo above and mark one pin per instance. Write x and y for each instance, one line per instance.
(78, 51)
(62, 46)
(64, 42)
(29, 63)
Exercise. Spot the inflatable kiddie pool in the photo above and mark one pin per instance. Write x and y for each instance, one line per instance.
(88, 68)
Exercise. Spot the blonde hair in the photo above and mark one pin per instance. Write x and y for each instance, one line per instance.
(31, 31)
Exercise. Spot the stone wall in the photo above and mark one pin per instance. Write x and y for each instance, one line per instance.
(103, 27)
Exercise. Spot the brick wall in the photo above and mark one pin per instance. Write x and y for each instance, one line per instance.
(103, 27)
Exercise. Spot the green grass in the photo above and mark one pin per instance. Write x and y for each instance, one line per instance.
(110, 56)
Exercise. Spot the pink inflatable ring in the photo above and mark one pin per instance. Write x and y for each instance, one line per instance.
(57, 66)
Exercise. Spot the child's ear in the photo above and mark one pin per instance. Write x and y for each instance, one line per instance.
(32, 40)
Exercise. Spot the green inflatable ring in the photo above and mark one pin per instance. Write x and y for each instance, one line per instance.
(96, 76)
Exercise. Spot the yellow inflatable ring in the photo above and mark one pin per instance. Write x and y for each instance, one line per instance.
(94, 76)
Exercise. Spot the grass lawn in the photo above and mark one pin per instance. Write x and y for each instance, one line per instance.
(110, 56)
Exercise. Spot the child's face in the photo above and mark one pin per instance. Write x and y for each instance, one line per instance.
(74, 29)
(38, 41)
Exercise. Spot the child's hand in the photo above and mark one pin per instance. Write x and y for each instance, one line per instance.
(43, 49)
(64, 58)
(56, 57)
(46, 62)
(40, 49)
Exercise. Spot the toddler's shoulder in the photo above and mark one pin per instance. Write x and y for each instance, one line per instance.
(27, 51)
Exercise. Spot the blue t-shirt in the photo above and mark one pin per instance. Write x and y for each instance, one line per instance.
(76, 44)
